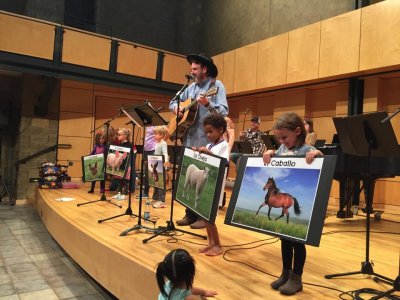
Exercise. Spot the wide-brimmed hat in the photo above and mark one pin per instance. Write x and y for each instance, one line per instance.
(205, 60)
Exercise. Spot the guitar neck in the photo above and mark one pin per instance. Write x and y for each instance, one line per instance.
(192, 102)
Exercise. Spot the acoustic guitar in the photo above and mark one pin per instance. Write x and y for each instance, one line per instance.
(189, 109)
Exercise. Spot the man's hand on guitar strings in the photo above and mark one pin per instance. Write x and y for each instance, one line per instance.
(203, 100)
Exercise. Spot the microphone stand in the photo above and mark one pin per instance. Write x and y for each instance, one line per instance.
(396, 282)
(391, 116)
(170, 224)
(103, 196)
(128, 211)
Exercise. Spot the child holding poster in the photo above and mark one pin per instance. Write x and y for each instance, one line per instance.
(289, 129)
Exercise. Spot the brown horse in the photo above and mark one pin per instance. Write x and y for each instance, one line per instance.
(154, 173)
(274, 198)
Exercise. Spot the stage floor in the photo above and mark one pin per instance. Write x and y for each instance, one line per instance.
(126, 266)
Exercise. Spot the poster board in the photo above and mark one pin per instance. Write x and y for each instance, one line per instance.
(93, 167)
(297, 193)
(200, 180)
(118, 160)
(156, 171)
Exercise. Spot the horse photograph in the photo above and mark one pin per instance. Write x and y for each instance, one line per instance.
(156, 171)
(276, 200)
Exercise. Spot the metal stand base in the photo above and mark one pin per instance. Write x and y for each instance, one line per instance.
(136, 227)
(128, 212)
(103, 198)
(396, 287)
(366, 268)
(171, 227)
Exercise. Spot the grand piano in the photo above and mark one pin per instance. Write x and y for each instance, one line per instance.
(356, 162)
(351, 170)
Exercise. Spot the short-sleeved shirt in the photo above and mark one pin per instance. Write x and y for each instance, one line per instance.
(177, 294)
(302, 150)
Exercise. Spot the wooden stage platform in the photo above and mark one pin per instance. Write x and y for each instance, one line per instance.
(126, 266)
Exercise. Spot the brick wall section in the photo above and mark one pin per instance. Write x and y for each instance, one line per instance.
(35, 133)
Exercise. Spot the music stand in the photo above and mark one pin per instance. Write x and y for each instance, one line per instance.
(142, 115)
(170, 224)
(270, 141)
(103, 196)
(364, 135)
(242, 147)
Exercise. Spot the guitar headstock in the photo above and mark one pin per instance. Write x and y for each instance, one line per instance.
(211, 92)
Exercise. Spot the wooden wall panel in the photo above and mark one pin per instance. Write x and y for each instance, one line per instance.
(75, 124)
(380, 35)
(272, 61)
(290, 101)
(27, 37)
(219, 62)
(303, 54)
(371, 87)
(137, 61)
(79, 146)
(245, 68)
(322, 102)
(340, 43)
(73, 99)
(229, 71)
(87, 50)
(76, 84)
(175, 68)
(386, 193)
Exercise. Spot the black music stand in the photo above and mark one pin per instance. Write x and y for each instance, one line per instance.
(143, 115)
(270, 141)
(170, 224)
(364, 135)
(242, 147)
(103, 196)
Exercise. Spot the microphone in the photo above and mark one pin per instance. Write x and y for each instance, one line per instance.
(189, 77)
(391, 116)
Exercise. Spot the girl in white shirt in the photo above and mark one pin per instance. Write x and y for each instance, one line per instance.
(214, 128)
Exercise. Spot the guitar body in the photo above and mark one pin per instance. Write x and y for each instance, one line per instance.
(189, 115)
(189, 109)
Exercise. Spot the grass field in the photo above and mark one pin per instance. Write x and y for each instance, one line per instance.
(160, 180)
(88, 173)
(296, 228)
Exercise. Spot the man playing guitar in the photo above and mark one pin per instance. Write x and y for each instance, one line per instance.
(204, 73)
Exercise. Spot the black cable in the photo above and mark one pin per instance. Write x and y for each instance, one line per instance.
(357, 294)
(359, 231)
(265, 272)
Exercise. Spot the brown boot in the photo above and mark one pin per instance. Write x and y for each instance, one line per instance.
(293, 285)
(281, 280)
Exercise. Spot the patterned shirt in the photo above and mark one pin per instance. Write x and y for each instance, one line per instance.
(254, 137)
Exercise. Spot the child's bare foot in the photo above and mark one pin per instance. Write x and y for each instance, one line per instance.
(214, 251)
(205, 249)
